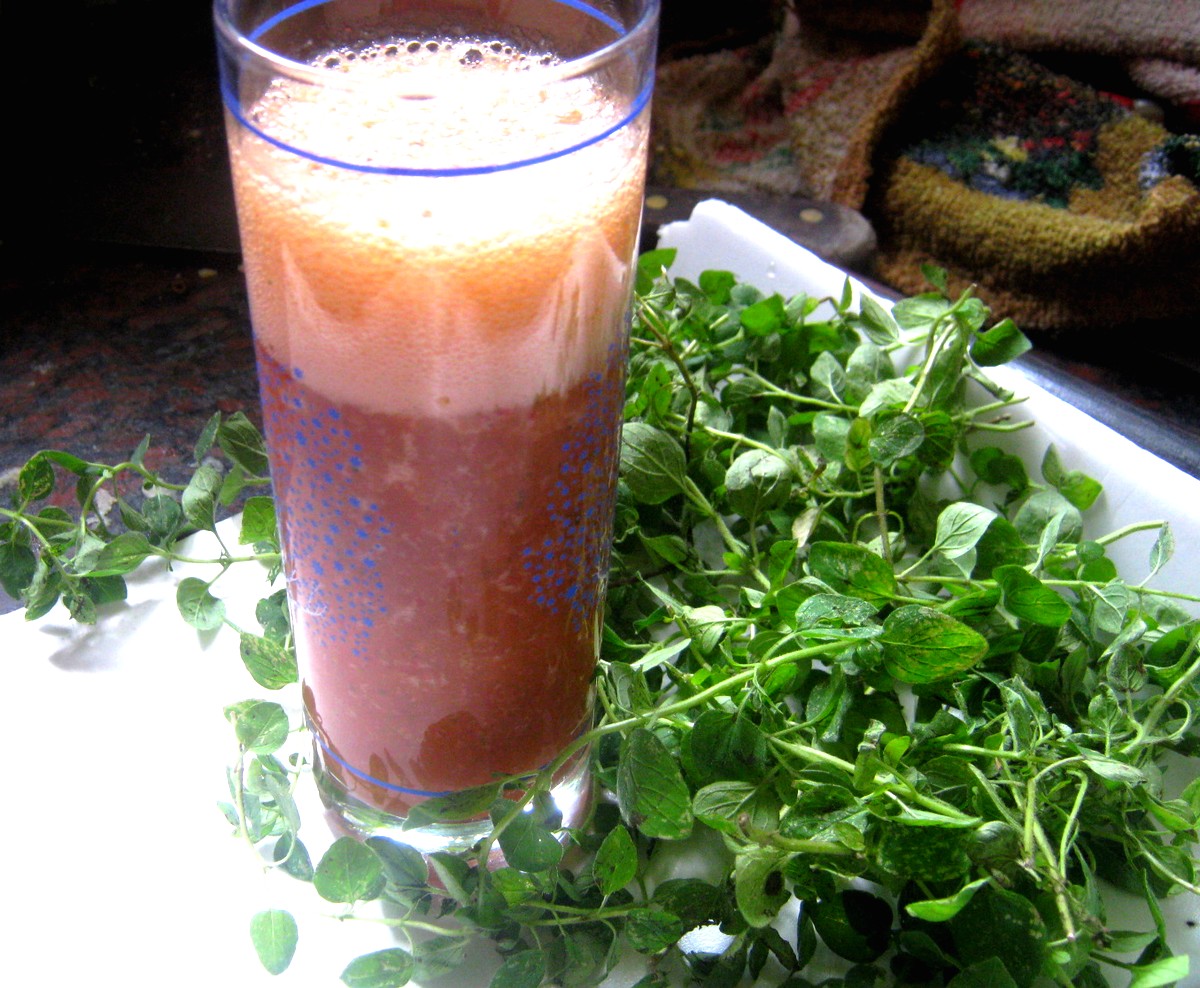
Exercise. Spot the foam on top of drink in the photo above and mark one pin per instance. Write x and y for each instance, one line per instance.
(438, 294)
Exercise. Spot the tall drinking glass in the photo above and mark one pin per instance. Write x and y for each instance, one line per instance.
(439, 204)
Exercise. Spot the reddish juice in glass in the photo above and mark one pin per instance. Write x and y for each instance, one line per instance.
(442, 369)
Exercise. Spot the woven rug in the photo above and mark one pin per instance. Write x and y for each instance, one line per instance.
(1062, 205)
(1157, 41)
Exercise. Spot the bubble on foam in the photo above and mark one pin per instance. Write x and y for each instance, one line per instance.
(437, 54)
(439, 295)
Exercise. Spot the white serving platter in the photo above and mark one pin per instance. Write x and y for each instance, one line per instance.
(118, 866)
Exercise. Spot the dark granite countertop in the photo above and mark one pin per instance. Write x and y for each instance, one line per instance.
(123, 311)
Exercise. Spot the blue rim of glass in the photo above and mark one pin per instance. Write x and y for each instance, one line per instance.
(640, 102)
(365, 777)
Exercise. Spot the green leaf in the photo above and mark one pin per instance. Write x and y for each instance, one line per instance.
(707, 626)
(121, 555)
(241, 441)
(35, 479)
(834, 607)
(757, 481)
(453, 874)
(940, 910)
(43, 590)
(894, 438)
(650, 267)
(200, 498)
(876, 322)
(404, 866)
(830, 433)
(138, 456)
(258, 521)
(1165, 971)
(265, 777)
(1002, 924)
(921, 311)
(1025, 712)
(1048, 512)
(526, 969)
(70, 462)
(694, 901)
(828, 377)
(650, 789)
(759, 885)
(669, 549)
(453, 807)
(1000, 344)
(164, 517)
(853, 570)
(717, 285)
(1000, 545)
(81, 607)
(857, 455)
(650, 930)
(724, 805)
(1078, 488)
(208, 436)
(292, 856)
(388, 968)
(652, 463)
(1163, 549)
(987, 973)
(1114, 770)
(616, 861)
(1027, 598)
(198, 606)
(960, 526)
(994, 466)
(261, 726)
(855, 924)
(930, 854)
(922, 645)
(891, 394)
(270, 663)
(527, 845)
(438, 956)
(234, 482)
(103, 590)
(867, 366)
(274, 614)
(764, 316)
(1110, 604)
(349, 871)
(274, 934)
(936, 276)
(17, 566)
(725, 746)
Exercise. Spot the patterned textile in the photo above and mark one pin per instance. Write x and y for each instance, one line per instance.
(1020, 133)
(800, 112)
(1158, 41)
(1063, 205)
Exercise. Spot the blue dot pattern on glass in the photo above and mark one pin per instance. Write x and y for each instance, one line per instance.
(566, 571)
(333, 536)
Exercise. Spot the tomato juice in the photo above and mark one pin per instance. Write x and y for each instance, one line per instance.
(441, 356)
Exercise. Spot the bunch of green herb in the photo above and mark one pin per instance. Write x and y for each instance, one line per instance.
(854, 650)
(127, 513)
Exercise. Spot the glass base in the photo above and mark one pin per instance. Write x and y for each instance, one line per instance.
(571, 796)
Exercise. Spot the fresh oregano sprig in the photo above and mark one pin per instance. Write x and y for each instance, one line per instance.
(877, 661)
(125, 513)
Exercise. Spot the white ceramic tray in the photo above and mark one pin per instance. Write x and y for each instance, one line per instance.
(119, 867)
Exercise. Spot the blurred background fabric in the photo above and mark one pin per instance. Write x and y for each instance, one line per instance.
(1040, 151)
